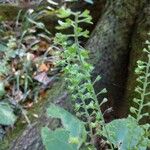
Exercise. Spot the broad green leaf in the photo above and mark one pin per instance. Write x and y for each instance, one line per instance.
(57, 140)
(70, 122)
(2, 89)
(7, 116)
(3, 48)
(126, 134)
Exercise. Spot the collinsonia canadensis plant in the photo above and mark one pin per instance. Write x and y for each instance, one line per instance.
(77, 72)
(143, 72)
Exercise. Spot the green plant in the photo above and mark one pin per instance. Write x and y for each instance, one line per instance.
(7, 116)
(124, 134)
(143, 72)
(129, 133)
(16, 69)
(77, 72)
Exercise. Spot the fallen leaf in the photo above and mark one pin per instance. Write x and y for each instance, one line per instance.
(43, 68)
(43, 46)
(18, 96)
(43, 78)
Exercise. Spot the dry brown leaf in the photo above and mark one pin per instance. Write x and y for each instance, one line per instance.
(43, 46)
(43, 78)
(43, 68)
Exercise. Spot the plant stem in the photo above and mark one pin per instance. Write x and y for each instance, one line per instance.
(144, 90)
(90, 82)
(81, 61)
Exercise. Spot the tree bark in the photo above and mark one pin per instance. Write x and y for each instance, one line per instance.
(109, 46)
(140, 35)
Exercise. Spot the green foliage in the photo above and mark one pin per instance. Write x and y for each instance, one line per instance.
(78, 75)
(57, 140)
(2, 89)
(16, 69)
(7, 116)
(73, 134)
(142, 90)
(4, 68)
(126, 134)
(69, 122)
(78, 71)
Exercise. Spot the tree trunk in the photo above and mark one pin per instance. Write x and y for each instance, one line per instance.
(140, 35)
(109, 48)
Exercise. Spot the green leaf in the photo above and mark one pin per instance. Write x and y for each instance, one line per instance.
(63, 12)
(4, 68)
(57, 140)
(2, 89)
(2, 48)
(7, 116)
(126, 134)
(70, 122)
(89, 1)
(64, 25)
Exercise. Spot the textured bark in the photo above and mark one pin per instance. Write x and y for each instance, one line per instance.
(140, 35)
(110, 46)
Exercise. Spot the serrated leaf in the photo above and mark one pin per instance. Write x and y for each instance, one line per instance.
(57, 140)
(7, 116)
